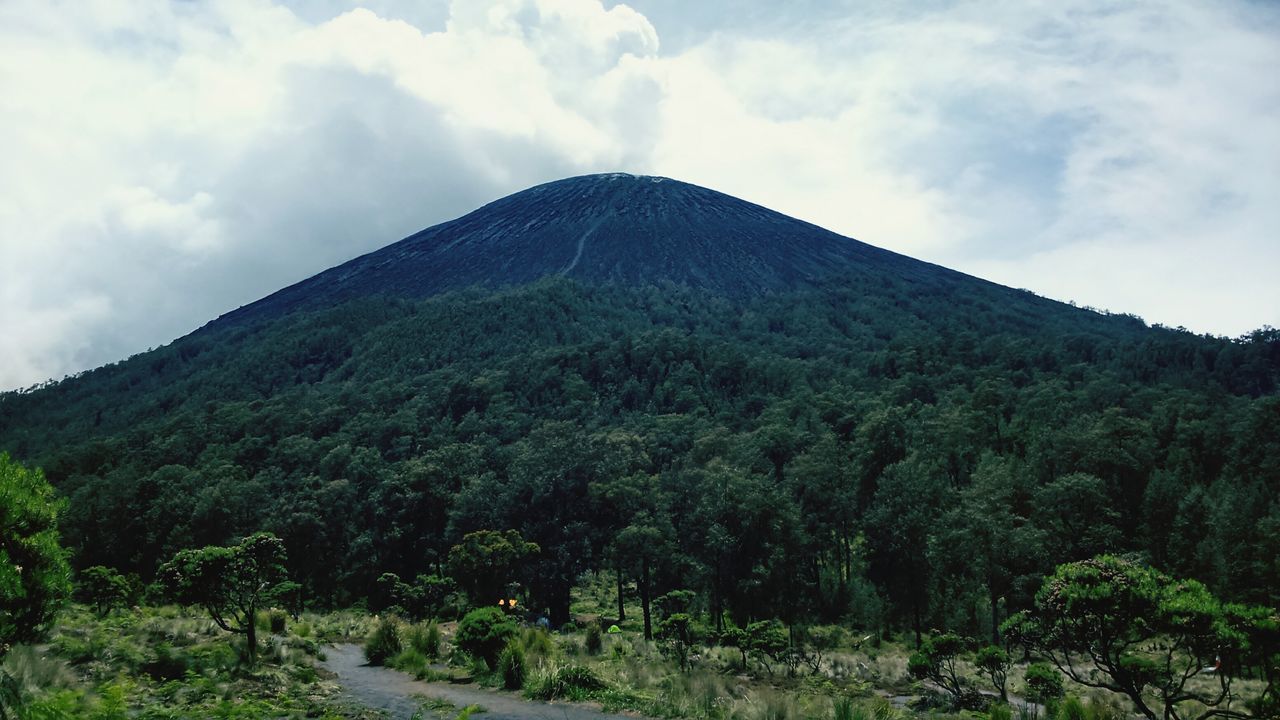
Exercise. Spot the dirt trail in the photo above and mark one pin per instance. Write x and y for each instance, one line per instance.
(398, 693)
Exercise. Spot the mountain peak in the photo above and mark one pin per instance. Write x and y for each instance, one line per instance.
(605, 228)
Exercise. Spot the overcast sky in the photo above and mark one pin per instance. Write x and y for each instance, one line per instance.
(165, 162)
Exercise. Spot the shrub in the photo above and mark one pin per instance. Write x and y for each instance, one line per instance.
(676, 637)
(594, 641)
(999, 711)
(425, 638)
(276, 620)
(1072, 709)
(103, 588)
(483, 633)
(937, 660)
(994, 662)
(573, 682)
(167, 664)
(384, 643)
(1044, 683)
(537, 642)
(511, 666)
(411, 661)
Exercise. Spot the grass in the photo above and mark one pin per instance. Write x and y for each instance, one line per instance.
(162, 663)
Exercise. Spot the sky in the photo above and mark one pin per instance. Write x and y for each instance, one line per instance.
(166, 162)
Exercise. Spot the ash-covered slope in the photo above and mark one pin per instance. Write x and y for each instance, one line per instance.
(619, 228)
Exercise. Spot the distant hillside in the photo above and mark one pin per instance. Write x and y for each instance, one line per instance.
(792, 423)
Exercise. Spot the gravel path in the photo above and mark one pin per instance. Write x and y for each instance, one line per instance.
(399, 694)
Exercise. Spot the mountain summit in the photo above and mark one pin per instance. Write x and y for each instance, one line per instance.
(610, 228)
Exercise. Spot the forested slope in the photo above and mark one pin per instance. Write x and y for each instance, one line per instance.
(897, 451)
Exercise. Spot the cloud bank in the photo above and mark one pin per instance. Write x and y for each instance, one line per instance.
(168, 162)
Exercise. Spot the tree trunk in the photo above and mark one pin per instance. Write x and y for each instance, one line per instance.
(251, 638)
(644, 598)
(560, 604)
(915, 620)
(622, 612)
(995, 614)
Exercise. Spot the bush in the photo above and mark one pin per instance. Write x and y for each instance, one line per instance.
(425, 638)
(511, 666)
(384, 643)
(483, 633)
(594, 641)
(167, 664)
(1072, 709)
(276, 620)
(536, 642)
(1044, 683)
(573, 682)
(411, 661)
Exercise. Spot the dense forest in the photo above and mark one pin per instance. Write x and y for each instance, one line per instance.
(891, 453)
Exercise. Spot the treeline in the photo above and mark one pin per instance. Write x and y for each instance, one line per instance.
(891, 453)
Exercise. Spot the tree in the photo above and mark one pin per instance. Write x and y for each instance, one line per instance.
(484, 632)
(938, 660)
(1044, 684)
(1114, 624)
(487, 563)
(994, 662)
(904, 513)
(676, 637)
(640, 546)
(1076, 513)
(34, 576)
(767, 640)
(103, 588)
(230, 583)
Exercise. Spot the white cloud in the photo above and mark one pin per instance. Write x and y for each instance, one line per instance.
(167, 162)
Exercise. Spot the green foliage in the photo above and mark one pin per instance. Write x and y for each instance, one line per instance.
(487, 564)
(1044, 683)
(938, 660)
(425, 638)
(288, 595)
(767, 640)
(34, 577)
(572, 682)
(674, 602)
(1149, 635)
(536, 642)
(160, 663)
(384, 643)
(891, 452)
(230, 583)
(511, 666)
(1071, 709)
(994, 662)
(429, 596)
(484, 632)
(593, 641)
(676, 636)
(103, 588)
(410, 661)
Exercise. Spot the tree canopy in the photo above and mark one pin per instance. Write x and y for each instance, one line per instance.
(34, 575)
(1112, 623)
(231, 583)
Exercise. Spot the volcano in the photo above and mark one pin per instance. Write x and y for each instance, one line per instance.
(612, 228)
(784, 416)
